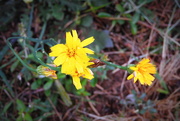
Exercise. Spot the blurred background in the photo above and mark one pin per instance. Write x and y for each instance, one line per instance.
(125, 31)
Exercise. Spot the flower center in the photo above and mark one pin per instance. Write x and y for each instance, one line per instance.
(78, 74)
(71, 52)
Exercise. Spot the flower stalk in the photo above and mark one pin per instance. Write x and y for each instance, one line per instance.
(115, 65)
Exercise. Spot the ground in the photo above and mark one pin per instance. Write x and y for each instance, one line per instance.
(113, 98)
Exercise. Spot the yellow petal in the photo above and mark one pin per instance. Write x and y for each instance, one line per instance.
(57, 49)
(144, 60)
(87, 50)
(60, 59)
(81, 56)
(74, 33)
(88, 74)
(135, 79)
(69, 66)
(141, 78)
(148, 82)
(89, 63)
(76, 41)
(149, 79)
(87, 41)
(79, 67)
(65, 66)
(133, 68)
(76, 82)
(130, 76)
(151, 69)
(69, 40)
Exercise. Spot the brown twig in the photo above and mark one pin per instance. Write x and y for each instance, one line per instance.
(59, 116)
(92, 106)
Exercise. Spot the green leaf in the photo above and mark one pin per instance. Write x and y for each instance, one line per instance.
(164, 85)
(58, 15)
(144, 1)
(163, 91)
(87, 21)
(135, 18)
(102, 39)
(44, 117)
(119, 8)
(36, 84)
(61, 75)
(47, 92)
(85, 93)
(4, 79)
(26, 74)
(57, 12)
(121, 22)
(14, 65)
(48, 84)
(20, 106)
(6, 107)
(133, 28)
(84, 82)
(19, 118)
(147, 14)
(68, 84)
(28, 117)
(104, 14)
(38, 54)
(128, 16)
(3, 52)
(93, 82)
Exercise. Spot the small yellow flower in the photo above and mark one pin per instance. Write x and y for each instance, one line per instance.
(47, 72)
(76, 77)
(72, 55)
(143, 71)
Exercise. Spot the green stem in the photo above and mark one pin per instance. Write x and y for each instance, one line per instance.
(41, 36)
(115, 65)
(17, 56)
(35, 49)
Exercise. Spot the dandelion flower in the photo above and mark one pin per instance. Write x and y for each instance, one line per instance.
(72, 55)
(143, 71)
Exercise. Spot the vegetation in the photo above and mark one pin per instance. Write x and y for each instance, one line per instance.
(125, 32)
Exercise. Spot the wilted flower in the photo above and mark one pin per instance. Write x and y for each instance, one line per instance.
(143, 71)
(47, 72)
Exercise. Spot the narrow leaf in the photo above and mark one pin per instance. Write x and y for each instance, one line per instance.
(48, 85)
(65, 97)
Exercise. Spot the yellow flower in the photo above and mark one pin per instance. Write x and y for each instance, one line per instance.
(47, 72)
(143, 71)
(88, 74)
(72, 55)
